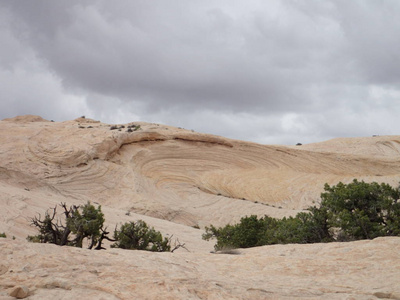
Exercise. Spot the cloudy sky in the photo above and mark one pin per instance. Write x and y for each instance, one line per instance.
(273, 72)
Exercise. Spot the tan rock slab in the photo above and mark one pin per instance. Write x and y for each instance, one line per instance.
(20, 292)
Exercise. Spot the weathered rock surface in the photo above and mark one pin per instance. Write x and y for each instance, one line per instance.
(357, 270)
(175, 179)
(20, 292)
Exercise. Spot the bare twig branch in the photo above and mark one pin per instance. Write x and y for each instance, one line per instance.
(179, 245)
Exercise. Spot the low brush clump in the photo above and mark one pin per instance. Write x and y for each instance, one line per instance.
(347, 212)
(85, 225)
(139, 236)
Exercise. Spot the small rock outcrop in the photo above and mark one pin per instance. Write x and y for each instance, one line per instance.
(20, 292)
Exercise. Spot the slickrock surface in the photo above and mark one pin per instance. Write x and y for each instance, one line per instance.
(358, 270)
(175, 180)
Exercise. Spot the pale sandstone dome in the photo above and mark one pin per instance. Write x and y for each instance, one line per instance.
(175, 179)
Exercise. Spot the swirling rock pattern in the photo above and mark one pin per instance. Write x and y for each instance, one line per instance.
(178, 180)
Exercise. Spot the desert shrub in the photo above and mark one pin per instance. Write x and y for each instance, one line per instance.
(80, 223)
(287, 230)
(361, 210)
(50, 230)
(314, 225)
(347, 212)
(139, 236)
(3, 235)
(249, 232)
(86, 224)
(253, 231)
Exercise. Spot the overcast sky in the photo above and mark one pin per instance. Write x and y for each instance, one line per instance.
(273, 72)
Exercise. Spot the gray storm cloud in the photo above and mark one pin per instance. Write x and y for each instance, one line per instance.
(308, 70)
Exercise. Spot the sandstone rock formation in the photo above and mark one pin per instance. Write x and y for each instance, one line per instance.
(357, 270)
(177, 180)
(20, 292)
